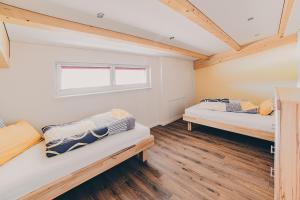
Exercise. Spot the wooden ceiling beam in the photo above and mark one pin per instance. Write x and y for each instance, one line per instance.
(187, 9)
(252, 48)
(286, 12)
(11, 14)
(4, 46)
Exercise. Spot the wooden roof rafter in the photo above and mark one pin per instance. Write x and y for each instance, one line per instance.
(15, 15)
(187, 9)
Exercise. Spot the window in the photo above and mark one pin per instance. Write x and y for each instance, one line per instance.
(84, 77)
(130, 76)
(80, 78)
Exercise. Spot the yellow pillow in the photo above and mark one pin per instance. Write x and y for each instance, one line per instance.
(266, 107)
(15, 139)
(119, 113)
(247, 105)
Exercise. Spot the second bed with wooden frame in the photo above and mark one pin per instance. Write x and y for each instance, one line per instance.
(252, 132)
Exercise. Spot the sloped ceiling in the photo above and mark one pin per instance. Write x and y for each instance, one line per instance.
(294, 21)
(244, 21)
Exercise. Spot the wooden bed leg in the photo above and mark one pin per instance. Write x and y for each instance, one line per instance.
(143, 156)
(189, 126)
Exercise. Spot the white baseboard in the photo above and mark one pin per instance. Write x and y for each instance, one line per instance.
(165, 122)
(154, 124)
(173, 119)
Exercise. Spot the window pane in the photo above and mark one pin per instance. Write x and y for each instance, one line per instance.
(84, 77)
(129, 76)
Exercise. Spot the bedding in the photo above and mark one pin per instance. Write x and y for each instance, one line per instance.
(266, 107)
(15, 139)
(259, 122)
(67, 137)
(216, 100)
(248, 107)
(2, 124)
(233, 107)
(226, 105)
(229, 105)
(32, 169)
(218, 106)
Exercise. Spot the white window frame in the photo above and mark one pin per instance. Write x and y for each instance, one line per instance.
(98, 90)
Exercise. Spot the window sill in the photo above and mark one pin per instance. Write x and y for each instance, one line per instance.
(62, 95)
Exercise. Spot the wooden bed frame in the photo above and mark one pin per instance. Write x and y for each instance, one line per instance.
(227, 127)
(64, 184)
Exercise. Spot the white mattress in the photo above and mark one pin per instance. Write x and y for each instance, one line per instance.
(32, 169)
(253, 121)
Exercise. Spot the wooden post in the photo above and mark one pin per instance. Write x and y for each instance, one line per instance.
(143, 156)
(189, 126)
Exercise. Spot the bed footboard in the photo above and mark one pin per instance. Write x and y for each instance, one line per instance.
(252, 132)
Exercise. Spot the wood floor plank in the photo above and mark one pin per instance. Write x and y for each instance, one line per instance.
(206, 164)
(222, 177)
(249, 165)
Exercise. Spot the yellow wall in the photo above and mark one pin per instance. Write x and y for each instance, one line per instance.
(249, 78)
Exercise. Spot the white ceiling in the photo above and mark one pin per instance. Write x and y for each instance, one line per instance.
(145, 18)
(232, 16)
(79, 40)
(294, 21)
(153, 20)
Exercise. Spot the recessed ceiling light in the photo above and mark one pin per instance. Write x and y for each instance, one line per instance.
(100, 15)
(250, 19)
(171, 38)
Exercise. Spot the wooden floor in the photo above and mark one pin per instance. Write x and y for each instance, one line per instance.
(204, 164)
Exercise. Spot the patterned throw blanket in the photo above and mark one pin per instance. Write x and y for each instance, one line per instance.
(67, 137)
(228, 105)
(215, 100)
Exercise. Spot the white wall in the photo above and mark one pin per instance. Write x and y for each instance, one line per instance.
(28, 87)
(178, 91)
(298, 59)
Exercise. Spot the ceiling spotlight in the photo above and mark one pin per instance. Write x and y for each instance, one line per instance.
(250, 19)
(171, 38)
(100, 15)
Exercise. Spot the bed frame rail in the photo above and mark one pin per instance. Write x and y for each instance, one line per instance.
(64, 184)
(227, 127)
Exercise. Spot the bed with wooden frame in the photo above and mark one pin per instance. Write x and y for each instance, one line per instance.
(65, 183)
(252, 132)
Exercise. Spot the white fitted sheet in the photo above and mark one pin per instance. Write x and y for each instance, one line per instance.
(32, 169)
(245, 120)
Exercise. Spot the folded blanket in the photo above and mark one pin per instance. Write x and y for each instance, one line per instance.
(227, 105)
(215, 100)
(233, 107)
(66, 137)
